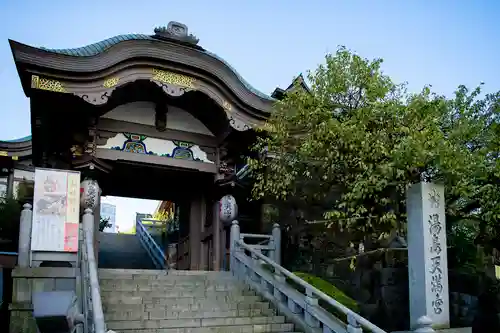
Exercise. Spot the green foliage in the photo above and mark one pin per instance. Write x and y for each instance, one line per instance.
(270, 214)
(25, 191)
(10, 214)
(325, 287)
(360, 140)
(329, 289)
(164, 215)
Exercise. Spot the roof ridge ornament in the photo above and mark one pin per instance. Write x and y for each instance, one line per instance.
(177, 31)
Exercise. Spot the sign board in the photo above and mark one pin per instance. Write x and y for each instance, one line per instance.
(228, 209)
(56, 211)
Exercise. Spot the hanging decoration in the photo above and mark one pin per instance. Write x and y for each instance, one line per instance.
(90, 194)
(228, 209)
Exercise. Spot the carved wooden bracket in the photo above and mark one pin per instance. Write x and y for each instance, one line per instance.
(91, 163)
(225, 169)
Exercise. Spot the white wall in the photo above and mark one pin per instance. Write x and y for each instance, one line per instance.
(144, 113)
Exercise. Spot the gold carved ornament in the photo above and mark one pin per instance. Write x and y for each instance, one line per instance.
(173, 78)
(46, 84)
(4, 153)
(111, 82)
(227, 106)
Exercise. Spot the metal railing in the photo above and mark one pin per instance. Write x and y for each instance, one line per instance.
(156, 254)
(90, 293)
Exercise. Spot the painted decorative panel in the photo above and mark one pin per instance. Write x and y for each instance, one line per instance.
(141, 144)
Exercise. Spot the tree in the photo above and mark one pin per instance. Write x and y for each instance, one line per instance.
(163, 215)
(10, 214)
(358, 140)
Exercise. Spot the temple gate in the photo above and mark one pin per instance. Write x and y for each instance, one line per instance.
(147, 116)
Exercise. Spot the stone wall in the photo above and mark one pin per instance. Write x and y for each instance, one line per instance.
(29, 280)
(378, 280)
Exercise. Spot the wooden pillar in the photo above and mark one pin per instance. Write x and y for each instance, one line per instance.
(195, 233)
(204, 248)
(10, 184)
(216, 225)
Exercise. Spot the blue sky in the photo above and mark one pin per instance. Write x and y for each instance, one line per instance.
(443, 43)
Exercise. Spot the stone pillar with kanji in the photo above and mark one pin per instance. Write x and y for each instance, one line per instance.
(427, 255)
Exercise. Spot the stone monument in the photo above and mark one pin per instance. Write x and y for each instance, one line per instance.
(427, 255)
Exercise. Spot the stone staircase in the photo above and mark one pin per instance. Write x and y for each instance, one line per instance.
(122, 251)
(152, 301)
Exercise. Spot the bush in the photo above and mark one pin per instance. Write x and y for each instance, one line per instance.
(325, 287)
(330, 290)
(10, 214)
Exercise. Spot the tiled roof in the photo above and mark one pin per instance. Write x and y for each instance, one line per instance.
(99, 47)
(24, 139)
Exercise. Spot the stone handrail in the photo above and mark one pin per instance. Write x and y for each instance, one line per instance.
(91, 294)
(247, 264)
(309, 302)
(153, 249)
(270, 244)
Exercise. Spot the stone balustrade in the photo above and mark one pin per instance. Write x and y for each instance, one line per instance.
(268, 278)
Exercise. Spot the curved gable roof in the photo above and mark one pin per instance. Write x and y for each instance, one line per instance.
(167, 45)
(100, 47)
(16, 147)
(23, 139)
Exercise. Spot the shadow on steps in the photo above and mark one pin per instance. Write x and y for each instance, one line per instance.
(122, 251)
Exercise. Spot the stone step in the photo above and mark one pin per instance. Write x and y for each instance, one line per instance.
(257, 324)
(169, 287)
(160, 292)
(174, 293)
(124, 271)
(128, 285)
(183, 306)
(169, 314)
(138, 273)
(162, 278)
(155, 298)
(276, 328)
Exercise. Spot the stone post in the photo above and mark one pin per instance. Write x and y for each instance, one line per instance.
(25, 224)
(10, 184)
(277, 243)
(424, 325)
(353, 325)
(91, 198)
(88, 223)
(234, 237)
(427, 255)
